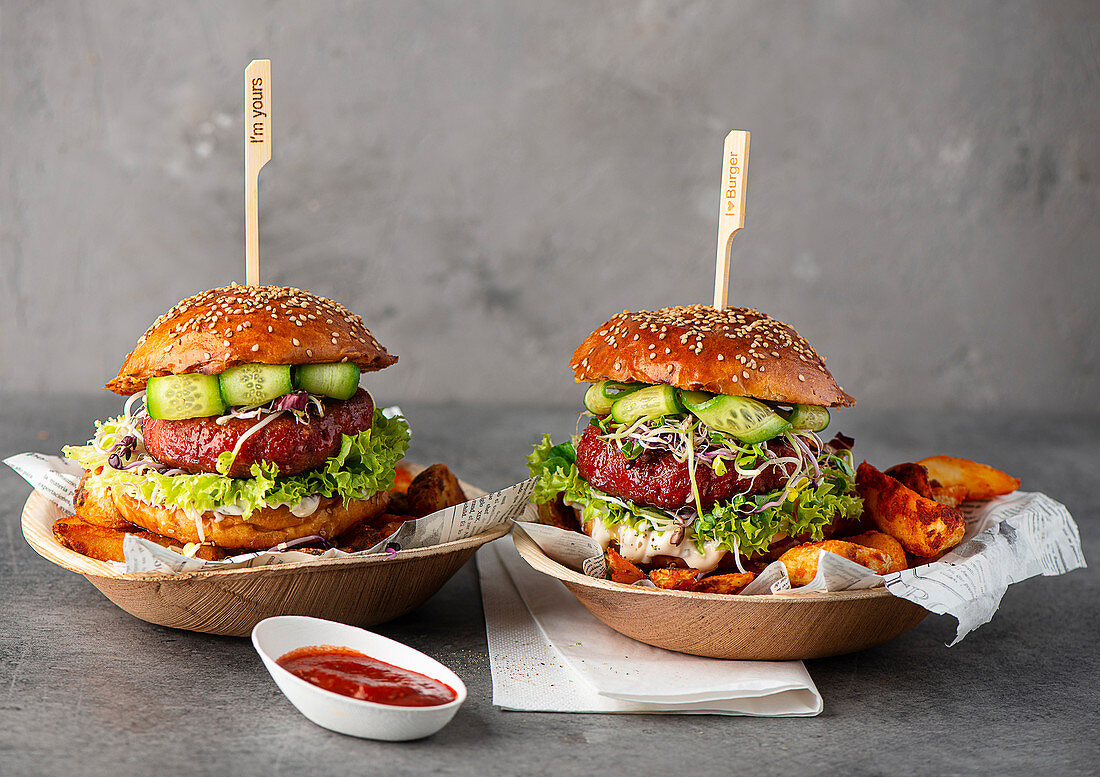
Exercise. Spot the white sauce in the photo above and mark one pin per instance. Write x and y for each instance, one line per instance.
(307, 506)
(196, 517)
(642, 547)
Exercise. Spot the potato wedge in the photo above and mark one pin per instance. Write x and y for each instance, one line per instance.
(361, 536)
(913, 476)
(559, 514)
(94, 505)
(623, 570)
(801, 562)
(402, 478)
(389, 523)
(104, 543)
(923, 526)
(399, 503)
(676, 579)
(952, 496)
(895, 553)
(980, 480)
(433, 489)
(729, 583)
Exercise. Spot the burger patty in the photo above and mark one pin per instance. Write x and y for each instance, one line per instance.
(657, 479)
(194, 444)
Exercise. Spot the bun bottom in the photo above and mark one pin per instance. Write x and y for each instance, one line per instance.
(100, 505)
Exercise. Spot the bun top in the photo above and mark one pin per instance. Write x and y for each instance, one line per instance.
(736, 351)
(232, 325)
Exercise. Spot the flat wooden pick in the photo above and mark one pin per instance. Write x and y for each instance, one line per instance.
(731, 212)
(257, 153)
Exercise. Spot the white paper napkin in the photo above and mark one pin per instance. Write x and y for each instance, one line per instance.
(549, 654)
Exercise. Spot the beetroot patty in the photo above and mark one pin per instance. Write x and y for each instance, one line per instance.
(658, 480)
(194, 444)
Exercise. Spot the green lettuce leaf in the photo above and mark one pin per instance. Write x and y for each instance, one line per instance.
(363, 466)
(724, 524)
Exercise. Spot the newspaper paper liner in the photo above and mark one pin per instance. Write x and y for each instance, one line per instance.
(1008, 539)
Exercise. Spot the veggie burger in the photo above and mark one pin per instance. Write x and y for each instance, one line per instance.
(245, 425)
(703, 446)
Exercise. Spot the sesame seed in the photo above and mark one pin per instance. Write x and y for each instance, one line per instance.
(295, 341)
(802, 377)
(256, 347)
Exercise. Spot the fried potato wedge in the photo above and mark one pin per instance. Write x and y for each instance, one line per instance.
(895, 553)
(402, 479)
(399, 503)
(623, 570)
(801, 562)
(913, 476)
(980, 480)
(676, 579)
(104, 543)
(94, 505)
(361, 536)
(729, 583)
(923, 526)
(434, 489)
(952, 496)
(389, 523)
(559, 514)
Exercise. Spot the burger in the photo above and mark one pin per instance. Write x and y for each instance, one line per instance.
(245, 426)
(702, 446)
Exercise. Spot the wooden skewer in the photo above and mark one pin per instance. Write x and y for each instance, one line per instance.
(731, 211)
(257, 153)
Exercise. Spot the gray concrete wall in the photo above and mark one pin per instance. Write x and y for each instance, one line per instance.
(488, 181)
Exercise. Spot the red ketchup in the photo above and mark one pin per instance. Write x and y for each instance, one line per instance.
(351, 673)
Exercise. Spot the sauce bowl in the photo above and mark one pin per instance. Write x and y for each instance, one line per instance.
(275, 637)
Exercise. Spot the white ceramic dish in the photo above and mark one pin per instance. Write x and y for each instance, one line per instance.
(274, 637)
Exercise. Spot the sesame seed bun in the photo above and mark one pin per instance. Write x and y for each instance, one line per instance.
(735, 351)
(265, 527)
(221, 328)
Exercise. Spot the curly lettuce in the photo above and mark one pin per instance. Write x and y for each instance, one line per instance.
(363, 466)
(727, 524)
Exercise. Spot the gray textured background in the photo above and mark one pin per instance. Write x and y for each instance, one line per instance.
(488, 181)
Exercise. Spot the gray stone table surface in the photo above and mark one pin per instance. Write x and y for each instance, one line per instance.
(87, 689)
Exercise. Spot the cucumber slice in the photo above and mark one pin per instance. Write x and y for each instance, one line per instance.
(812, 417)
(746, 419)
(255, 384)
(601, 396)
(174, 397)
(649, 402)
(338, 380)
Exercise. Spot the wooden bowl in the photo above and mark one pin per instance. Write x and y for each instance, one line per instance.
(359, 590)
(762, 628)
